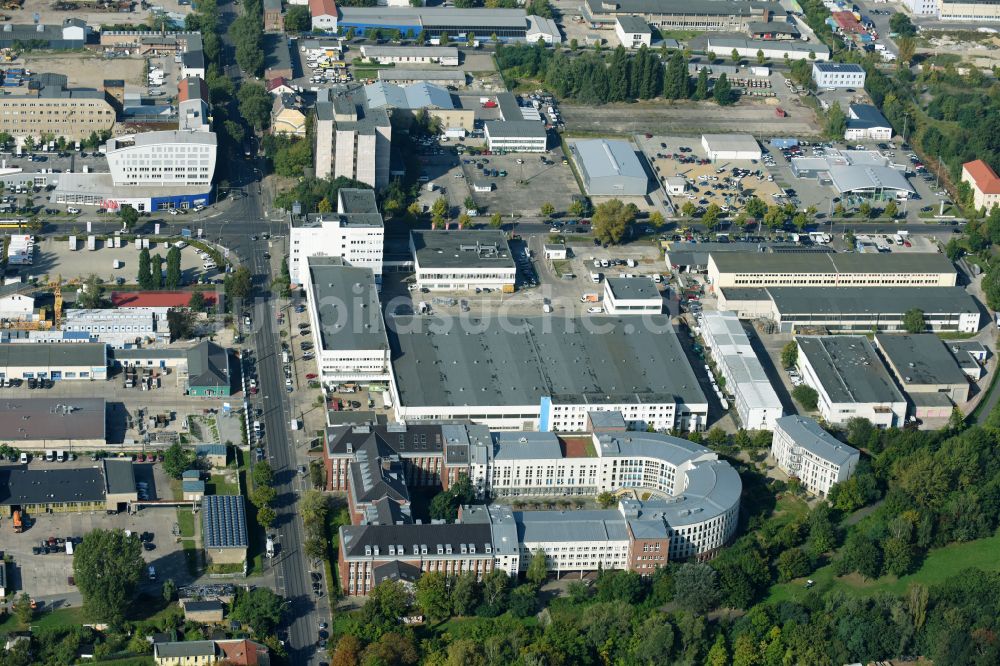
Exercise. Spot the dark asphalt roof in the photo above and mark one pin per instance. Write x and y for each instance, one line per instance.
(21, 486)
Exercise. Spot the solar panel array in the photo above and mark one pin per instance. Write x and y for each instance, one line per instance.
(224, 521)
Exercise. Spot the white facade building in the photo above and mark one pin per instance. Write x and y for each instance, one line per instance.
(516, 136)
(922, 7)
(838, 75)
(633, 32)
(19, 307)
(850, 379)
(636, 295)
(730, 147)
(346, 318)
(757, 404)
(700, 518)
(355, 233)
(120, 326)
(442, 55)
(804, 450)
(324, 15)
(462, 260)
(165, 158)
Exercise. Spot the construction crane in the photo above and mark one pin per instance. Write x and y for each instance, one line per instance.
(57, 302)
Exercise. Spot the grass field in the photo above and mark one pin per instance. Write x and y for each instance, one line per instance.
(185, 520)
(939, 565)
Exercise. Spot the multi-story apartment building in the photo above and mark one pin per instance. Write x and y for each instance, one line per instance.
(757, 405)
(697, 519)
(850, 379)
(463, 259)
(758, 269)
(346, 319)
(816, 458)
(355, 233)
(352, 139)
(53, 109)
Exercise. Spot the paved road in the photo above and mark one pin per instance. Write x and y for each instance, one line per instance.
(233, 225)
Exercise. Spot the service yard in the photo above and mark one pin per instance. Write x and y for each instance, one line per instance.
(529, 182)
(54, 257)
(46, 575)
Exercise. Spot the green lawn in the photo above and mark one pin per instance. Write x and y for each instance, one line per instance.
(939, 565)
(59, 619)
(220, 485)
(185, 520)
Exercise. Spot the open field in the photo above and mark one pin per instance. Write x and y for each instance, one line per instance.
(939, 565)
(85, 69)
(658, 117)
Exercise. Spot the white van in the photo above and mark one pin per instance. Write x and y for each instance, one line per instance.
(595, 278)
(50, 456)
(61, 456)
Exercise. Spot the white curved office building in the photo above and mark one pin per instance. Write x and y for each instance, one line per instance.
(697, 511)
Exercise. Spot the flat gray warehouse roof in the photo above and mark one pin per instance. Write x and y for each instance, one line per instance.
(921, 359)
(32, 419)
(461, 249)
(915, 262)
(20, 485)
(849, 369)
(517, 361)
(347, 305)
(863, 300)
(48, 355)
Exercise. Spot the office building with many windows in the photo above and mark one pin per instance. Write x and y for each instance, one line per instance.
(816, 458)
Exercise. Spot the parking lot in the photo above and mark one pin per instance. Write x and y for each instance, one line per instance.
(529, 182)
(42, 574)
(564, 295)
(708, 182)
(54, 257)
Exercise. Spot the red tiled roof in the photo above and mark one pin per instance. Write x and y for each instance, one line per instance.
(192, 87)
(986, 179)
(277, 82)
(156, 299)
(322, 7)
(244, 653)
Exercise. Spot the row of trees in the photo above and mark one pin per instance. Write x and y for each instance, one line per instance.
(593, 78)
(247, 33)
(151, 275)
(263, 494)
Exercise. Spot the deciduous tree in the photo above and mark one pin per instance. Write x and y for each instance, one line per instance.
(107, 566)
(610, 221)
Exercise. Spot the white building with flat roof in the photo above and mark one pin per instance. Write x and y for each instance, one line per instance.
(838, 75)
(516, 136)
(164, 158)
(462, 260)
(635, 295)
(120, 326)
(816, 458)
(730, 147)
(757, 404)
(850, 380)
(355, 233)
(633, 32)
(346, 318)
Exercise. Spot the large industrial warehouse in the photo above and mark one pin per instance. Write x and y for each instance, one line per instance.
(53, 423)
(537, 373)
(609, 168)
